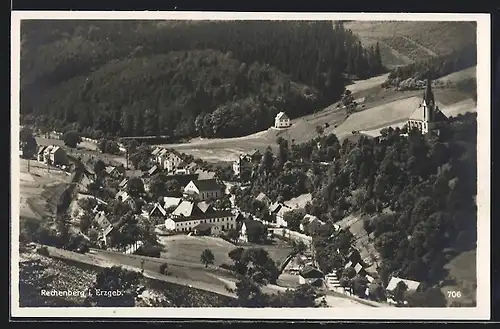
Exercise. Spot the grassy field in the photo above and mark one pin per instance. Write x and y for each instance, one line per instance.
(455, 77)
(402, 42)
(463, 270)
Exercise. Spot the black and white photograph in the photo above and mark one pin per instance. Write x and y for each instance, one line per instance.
(239, 165)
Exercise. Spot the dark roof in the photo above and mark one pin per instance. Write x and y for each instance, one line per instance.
(183, 179)
(207, 185)
(311, 272)
(203, 226)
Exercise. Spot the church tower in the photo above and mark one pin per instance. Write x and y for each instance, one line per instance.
(428, 102)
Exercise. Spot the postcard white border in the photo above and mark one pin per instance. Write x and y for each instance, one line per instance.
(481, 312)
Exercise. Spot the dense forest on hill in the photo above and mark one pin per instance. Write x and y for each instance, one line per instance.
(415, 195)
(107, 77)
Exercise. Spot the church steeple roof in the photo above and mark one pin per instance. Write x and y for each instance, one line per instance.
(428, 94)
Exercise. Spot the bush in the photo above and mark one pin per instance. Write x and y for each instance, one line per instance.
(43, 251)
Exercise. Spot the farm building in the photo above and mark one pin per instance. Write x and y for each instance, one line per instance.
(55, 155)
(282, 121)
(186, 169)
(280, 214)
(204, 189)
(189, 214)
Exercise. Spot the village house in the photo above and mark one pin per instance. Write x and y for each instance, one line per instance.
(246, 161)
(280, 215)
(204, 189)
(161, 156)
(205, 174)
(172, 160)
(123, 196)
(311, 275)
(427, 117)
(310, 223)
(171, 202)
(185, 169)
(188, 215)
(393, 283)
(55, 155)
(282, 121)
(262, 198)
(58, 156)
(115, 172)
(157, 211)
(250, 229)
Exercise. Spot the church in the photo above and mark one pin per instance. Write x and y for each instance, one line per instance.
(427, 116)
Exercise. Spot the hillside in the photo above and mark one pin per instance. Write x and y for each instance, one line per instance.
(405, 42)
(93, 76)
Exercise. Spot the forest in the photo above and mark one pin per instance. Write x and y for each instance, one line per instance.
(416, 195)
(436, 67)
(184, 79)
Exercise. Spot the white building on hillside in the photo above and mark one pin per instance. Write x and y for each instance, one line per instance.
(282, 121)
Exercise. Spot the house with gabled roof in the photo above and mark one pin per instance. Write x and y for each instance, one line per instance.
(204, 189)
(158, 210)
(171, 162)
(188, 215)
(282, 121)
(280, 215)
(410, 284)
(311, 275)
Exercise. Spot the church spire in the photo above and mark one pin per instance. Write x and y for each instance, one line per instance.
(428, 94)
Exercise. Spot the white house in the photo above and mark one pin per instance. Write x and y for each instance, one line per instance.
(171, 162)
(249, 225)
(188, 215)
(410, 284)
(310, 219)
(204, 189)
(280, 215)
(282, 121)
